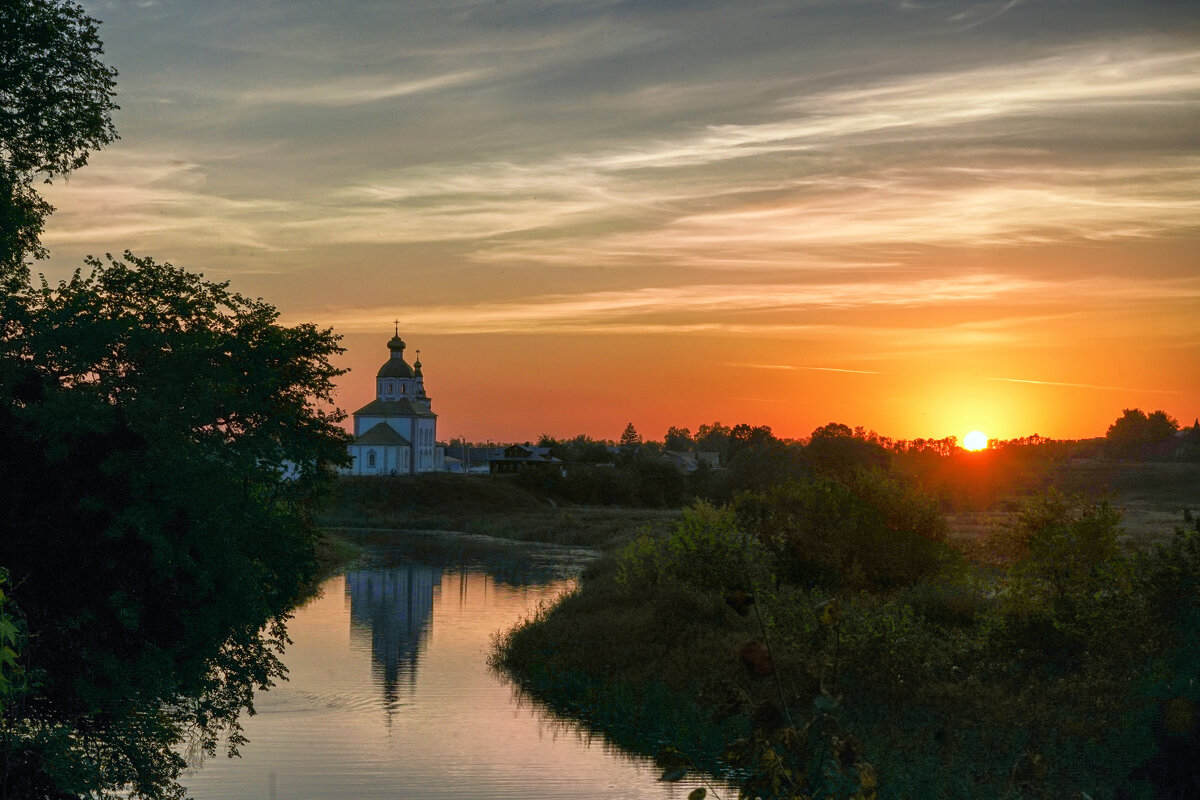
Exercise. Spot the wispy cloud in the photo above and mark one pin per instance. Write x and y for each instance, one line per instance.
(862, 173)
(687, 308)
(131, 198)
(798, 367)
(827, 178)
(356, 90)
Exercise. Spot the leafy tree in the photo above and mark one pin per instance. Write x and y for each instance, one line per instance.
(581, 450)
(678, 439)
(55, 108)
(765, 462)
(714, 438)
(1189, 447)
(836, 449)
(146, 417)
(1136, 435)
(743, 436)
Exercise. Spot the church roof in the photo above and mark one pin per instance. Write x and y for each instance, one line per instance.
(382, 435)
(393, 408)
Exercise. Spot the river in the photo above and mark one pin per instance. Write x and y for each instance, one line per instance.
(390, 696)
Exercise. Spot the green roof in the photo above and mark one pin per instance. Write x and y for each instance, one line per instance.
(393, 408)
(382, 435)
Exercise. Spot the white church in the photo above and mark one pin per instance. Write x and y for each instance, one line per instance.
(396, 433)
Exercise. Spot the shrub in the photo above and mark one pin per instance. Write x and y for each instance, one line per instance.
(1072, 546)
(706, 550)
(869, 531)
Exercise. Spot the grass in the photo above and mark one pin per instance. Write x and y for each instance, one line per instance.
(336, 553)
(1151, 498)
(481, 504)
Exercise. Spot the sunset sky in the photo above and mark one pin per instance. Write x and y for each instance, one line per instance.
(919, 216)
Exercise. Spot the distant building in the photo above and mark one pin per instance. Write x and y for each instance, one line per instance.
(692, 460)
(523, 456)
(396, 433)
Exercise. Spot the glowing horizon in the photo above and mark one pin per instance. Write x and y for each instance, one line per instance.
(921, 219)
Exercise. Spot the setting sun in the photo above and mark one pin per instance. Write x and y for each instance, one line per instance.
(975, 440)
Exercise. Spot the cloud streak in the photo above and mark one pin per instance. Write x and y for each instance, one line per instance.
(791, 367)
(355, 91)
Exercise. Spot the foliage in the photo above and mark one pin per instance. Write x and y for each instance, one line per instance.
(706, 550)
(714, 438)
(580, 450)
(872, 531)
(1072, 547)
(836, 450)
(679, 439)
(55, 108)
(146, 419)
(630, 437)
(1169, 577)
(1137, 435)
(757, 467)
(10, 643)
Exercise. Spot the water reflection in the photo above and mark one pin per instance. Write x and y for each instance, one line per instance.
(393, 607)
(390, 695)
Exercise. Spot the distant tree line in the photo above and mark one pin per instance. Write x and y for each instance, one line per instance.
(751, 458)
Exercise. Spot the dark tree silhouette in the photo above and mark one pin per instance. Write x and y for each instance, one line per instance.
(836, 449)
(630, 437)
(1137, 435)
(56, 104)
(678, 439)
(145, 424)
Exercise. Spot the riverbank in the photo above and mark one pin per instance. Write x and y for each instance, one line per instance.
(1073, 671)
(336, 553)
(482, 504)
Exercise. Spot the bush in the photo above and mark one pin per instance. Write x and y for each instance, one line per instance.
(1072, 548)
(706, 550)
(870, 531)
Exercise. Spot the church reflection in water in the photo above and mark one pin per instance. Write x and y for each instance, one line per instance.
(395, 608)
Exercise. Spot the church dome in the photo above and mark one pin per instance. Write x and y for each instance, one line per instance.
(396, 366)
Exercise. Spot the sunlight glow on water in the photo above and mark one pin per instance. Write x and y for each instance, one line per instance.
(390, 696)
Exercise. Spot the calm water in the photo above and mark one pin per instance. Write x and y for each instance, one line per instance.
(390, 697)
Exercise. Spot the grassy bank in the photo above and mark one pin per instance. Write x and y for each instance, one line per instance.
(1070, 673)
(336, 553)
(482, 504)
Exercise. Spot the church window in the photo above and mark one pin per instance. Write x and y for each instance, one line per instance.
(371, 458)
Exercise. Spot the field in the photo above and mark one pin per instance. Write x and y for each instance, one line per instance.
(1151, 498)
